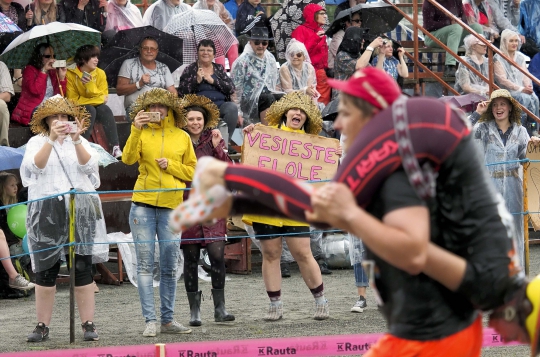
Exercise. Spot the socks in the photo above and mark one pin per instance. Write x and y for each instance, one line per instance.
(275, 297)
(318, 294)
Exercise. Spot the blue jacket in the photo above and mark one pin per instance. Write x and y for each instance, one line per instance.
(529, 20)
(232, 8)
(534, 68)
(245, 19)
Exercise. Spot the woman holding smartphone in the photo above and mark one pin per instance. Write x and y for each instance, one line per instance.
(87, 84)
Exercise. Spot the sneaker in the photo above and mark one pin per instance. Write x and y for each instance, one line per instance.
(285, 272)
(360, 305)
(322, 312)
(150, 329)
(116, 152)
(89, 330)
(275, 312)
(40, 333)
(324, 268)
(20, 283)
(175, 328)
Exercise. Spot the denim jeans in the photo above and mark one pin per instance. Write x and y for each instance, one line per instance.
(360, 276)
(145, 223)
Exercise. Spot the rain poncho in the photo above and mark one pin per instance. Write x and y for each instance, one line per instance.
(161, 12)
(123, 17)
(291, 78)
(251, 75)
(529, 20)
(475, 16)
(506, 177)
(508, 20)
(218, 8)
(466, 80)
(510, 78)
(46, 221)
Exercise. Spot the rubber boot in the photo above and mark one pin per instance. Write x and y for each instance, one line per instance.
(220, 314)
(195, 308)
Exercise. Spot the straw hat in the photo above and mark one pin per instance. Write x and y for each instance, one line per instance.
(163, 97)
(298, 100)
(212, 110)
(57, 105)
(515, 114)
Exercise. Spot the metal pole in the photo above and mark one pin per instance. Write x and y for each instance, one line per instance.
(72, 267)
(526, 218)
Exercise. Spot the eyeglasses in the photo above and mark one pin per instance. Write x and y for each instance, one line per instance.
(47, 56)
(149, 49)
(299, 54)
(356, 21)
(257, 43)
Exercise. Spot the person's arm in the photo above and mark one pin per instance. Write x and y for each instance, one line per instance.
(363, 61)
(71, 88)
(124, 87)
(285, 80)
(223, 83)
(5, 96)
(402, 68)
(188, 80)
(34, 80)
(131, 153)
(502, 79)
(464, 80)
(501, 21)
(184, 169)
(378, 60)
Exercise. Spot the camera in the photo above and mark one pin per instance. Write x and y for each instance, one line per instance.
(154, 117)
(59, 64)
(73, 128)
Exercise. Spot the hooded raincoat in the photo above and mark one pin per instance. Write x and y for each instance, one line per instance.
(92, 93)
(161, 12)
(123, 17)
(529, 20)
(292, 78)
(307, 34)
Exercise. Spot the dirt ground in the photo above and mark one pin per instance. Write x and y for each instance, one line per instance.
(119, 319)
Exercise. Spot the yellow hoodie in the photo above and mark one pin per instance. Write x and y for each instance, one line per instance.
(93, 92)
(156, 141)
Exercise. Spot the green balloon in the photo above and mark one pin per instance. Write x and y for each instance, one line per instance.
(16, 219)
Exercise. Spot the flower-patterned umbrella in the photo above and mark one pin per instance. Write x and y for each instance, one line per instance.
(8, 31)
(64, 39)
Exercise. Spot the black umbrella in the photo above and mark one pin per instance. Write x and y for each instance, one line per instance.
(6, 38)
(125, 43)
(330, 112)
(377, 17)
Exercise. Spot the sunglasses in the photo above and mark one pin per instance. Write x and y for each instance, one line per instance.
(356, 21)
(149, 49)
(299, 54)
(47, 56)
(257, 43)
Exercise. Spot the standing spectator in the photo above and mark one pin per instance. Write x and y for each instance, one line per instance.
(139, 75)
(251, 14)
(446, 29)
(354, 20)
(384, 59)
(528, 25)
(87, 84)
(166, 160)
(209, 79)
(311, 34)
(6, 92)
(297, 74)
(91, 13)
(232, 7)
(202, 116)
(40, 82)
(217, 7)
(255, 76)
(44, 12)
(122, 15)
(475, 56)
(161, 12)
(55, 159)
(15, 12)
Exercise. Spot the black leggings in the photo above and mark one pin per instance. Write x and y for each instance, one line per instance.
(103, 114)
(216, 251)
(83, 272)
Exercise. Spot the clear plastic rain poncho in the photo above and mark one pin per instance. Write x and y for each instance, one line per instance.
(510, 78)
(123, 17)
(218, 8)
(291, 78)
(466, 80)
(251, 74)
(506, 176)
(161, 12)
(47, 220)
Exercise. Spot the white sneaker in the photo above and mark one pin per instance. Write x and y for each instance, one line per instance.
(116, 152)
(20, 283)
(360, 305)
(151, 329)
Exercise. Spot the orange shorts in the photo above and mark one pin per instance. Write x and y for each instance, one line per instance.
(466, 343)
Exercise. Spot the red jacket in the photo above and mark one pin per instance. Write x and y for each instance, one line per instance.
(218, 230)
(307, 34)
(33, 90)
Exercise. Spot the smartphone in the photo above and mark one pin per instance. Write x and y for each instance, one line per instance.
(154, 117)
(86, 75)
(59, 64)
(72, 127)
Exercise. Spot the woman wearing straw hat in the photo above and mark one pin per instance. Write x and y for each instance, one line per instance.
(55, 160)
(504, 139)
(166, 161)
(202, 117)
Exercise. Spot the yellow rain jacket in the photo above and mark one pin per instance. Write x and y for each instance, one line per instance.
(156, 141)
(93, 92)
(273, 221)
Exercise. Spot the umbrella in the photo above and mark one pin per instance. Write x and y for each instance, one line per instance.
(286, 19)
(124, 45)
(10, 158)
(8, 31)
(334, 2)
(64, 39)
(466, 102)
(377, 17)
(330, 112)
(195, 25)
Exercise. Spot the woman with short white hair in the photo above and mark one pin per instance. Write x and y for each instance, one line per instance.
(122, 15)
(475, 55)
(297, 74)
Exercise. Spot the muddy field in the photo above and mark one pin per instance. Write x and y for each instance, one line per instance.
(119, 319)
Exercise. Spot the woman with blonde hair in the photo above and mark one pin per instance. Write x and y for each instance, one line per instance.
(122, 15)
(44, 12)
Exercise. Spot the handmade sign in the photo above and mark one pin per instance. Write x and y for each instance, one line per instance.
(302, 156)
(533, 185)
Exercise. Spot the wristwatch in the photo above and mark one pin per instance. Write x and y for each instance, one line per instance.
(138, 85)
(369, 48)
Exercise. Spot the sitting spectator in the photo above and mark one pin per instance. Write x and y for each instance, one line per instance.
(297, 74)
(15, 12)
(209, 79)
(510, 78)
(91, 13)
(6, 92)
(40, 82)
(255, 77)
(87, 85)
(507, 10)
(475, 56)
(217, 7)
(140, 74)
(311, 34)
(250, 14)
(351, 55)
(44, 12)
(384, 59)
(534, 68)
(122, 15)
(232, 7)
(161, 12)
(446, 29)
(529, 12)
(354, 20)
